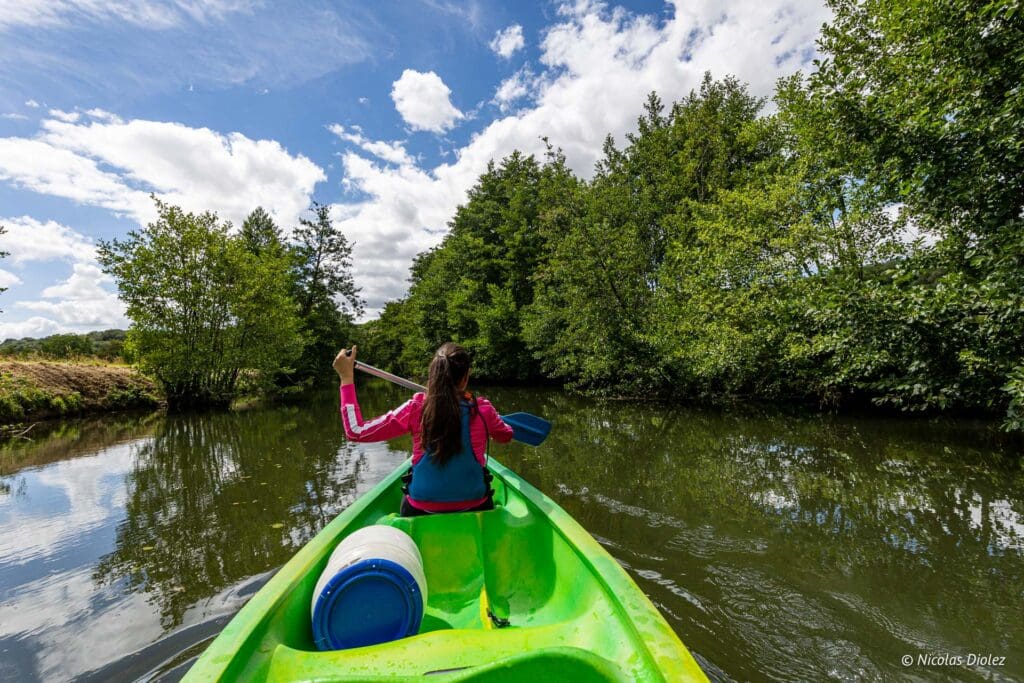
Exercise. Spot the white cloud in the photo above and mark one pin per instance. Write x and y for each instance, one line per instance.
(513, 88)
(13, 116)
(81, 315)
(115, 164)
(364, 100)
(423, 101)
(66, 116)
(36, 326)
(80, 302)
(392, 226)
(32, 104)
(507, 41)
(598, 65)
(84, 284)
(197, 168)
(103, 115)
(44, 168)
(7, 278)
(392, 152)
(30, 240)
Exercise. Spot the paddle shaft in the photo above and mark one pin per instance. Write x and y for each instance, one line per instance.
(384, 374)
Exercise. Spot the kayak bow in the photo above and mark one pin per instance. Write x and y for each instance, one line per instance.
(518, 593)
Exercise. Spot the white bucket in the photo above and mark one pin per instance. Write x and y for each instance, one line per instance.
(364, 595)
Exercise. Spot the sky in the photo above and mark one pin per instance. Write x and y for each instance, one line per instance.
(386, 111)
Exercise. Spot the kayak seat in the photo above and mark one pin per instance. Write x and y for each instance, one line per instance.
(486, 567)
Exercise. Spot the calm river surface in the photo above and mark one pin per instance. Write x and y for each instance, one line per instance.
(779, 547)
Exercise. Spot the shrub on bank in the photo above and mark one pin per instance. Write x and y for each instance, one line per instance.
(36, 390)
(18, 398)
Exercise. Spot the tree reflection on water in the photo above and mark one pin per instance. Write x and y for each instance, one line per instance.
(764, 536)
(215, 498)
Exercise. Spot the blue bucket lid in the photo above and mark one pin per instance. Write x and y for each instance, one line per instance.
(368, 602)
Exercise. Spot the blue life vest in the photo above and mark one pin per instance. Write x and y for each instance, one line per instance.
(461, 478)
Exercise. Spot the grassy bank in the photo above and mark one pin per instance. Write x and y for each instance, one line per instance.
(32, 390)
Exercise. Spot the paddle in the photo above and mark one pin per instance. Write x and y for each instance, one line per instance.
(526, 428)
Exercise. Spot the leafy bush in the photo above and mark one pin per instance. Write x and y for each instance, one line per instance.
(19, 398)
(129, 397)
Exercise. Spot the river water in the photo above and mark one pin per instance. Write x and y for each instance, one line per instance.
(779, 547)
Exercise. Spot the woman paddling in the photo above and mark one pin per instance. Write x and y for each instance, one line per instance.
(450, 429)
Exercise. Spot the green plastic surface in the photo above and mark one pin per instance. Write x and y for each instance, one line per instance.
(574, 614)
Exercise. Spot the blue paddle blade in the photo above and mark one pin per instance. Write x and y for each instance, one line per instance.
(527, 428)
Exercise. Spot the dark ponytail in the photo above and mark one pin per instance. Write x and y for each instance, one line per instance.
(442, 419)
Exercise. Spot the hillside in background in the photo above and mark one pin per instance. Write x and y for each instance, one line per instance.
(106, 344)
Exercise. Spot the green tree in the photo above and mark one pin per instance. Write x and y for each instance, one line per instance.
(205, 311)
(325, 290)
(108, 344)
(395, 341)
(66, 345)
(931, 90)
(623, 247)
(260, 233)
(864, 243)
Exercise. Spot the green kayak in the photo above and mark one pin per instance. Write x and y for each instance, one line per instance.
(572, 612)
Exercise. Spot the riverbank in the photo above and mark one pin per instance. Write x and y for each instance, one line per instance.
(35, 390)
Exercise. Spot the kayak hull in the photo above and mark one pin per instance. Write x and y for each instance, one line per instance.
(572, 612)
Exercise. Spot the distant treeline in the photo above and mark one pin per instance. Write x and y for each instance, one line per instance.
(105, 344)
(860, 241)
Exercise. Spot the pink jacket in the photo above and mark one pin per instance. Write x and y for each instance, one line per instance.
(406, 419)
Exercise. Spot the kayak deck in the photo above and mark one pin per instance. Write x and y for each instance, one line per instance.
(572, 612)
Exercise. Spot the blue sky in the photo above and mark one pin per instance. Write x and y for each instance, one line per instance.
(387, 111)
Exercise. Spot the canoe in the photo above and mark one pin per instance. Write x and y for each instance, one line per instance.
(573, 613)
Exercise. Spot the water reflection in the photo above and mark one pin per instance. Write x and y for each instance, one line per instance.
(51, 442)
(212, 497)
(779, 547)
(145, 527)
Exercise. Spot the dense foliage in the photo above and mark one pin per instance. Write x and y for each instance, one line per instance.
(327, 300)
(928, 97)
(862, 242)
(473, 288)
